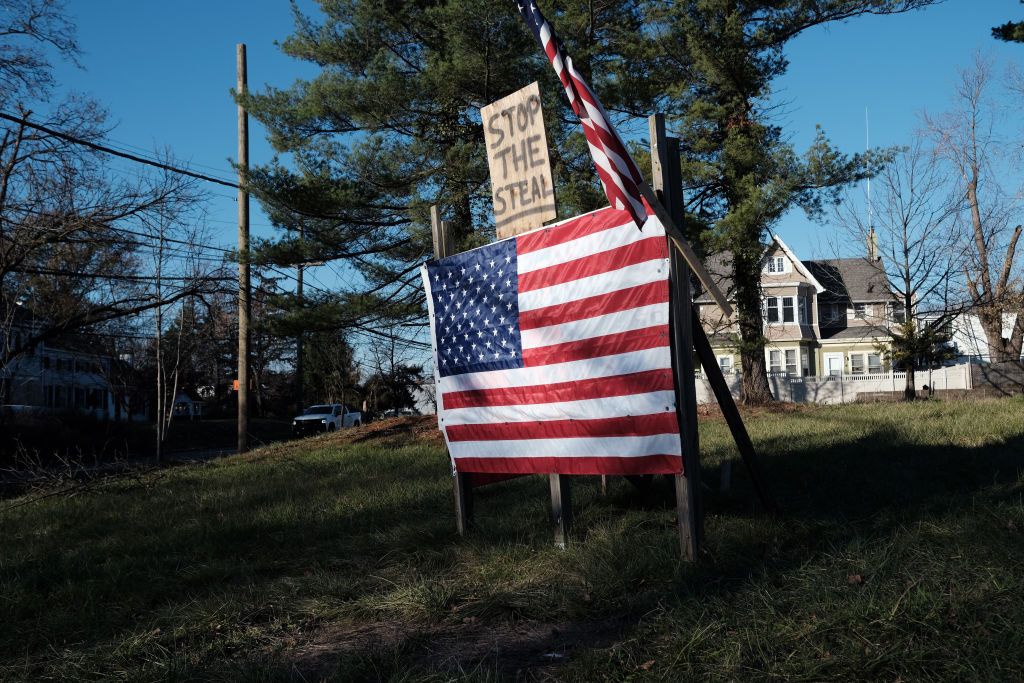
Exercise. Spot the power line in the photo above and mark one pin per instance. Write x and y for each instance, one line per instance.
(143, 151)
(114, 152)
(120, 276)
(127, 172)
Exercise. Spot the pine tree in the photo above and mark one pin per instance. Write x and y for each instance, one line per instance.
(1011, 31)
(741, 174)
(391, 126)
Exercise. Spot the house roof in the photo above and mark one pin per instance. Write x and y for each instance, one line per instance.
(838, 280)
(800, 266)
(850, 279)
(864, 333)
(719, 266)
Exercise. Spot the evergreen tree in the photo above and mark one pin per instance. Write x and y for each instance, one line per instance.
(331, 374)
(1011, 31)
(741, 174)
(394, 389)
(391, 126)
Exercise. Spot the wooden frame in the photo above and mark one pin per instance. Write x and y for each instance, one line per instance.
(665, 172)
(688, 340)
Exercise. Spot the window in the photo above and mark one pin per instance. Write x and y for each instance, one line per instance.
(775, 361)
(94, 398)
(856, 363)
(861, 311)
(805, 362)
(772, 309)
(776, 264)
(791, 368)
(725, 363)
(897, 313)
(830, 313)
(787, 309)
(804, 305)
(874, 364)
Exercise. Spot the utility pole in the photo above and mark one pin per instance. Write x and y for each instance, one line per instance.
(243, 258)
(299, 377)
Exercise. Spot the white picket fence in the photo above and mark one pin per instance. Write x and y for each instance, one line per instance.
(844, 388)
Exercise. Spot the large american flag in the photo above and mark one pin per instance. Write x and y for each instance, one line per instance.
(618, 172)
(551, 351)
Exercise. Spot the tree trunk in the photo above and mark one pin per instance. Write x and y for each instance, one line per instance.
(910, 389)
(992, 323)
(756, 389)
(1016, 344)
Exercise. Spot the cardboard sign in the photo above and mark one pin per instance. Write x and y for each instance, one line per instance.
(517, 154)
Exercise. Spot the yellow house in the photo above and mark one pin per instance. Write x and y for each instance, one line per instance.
(821, 317)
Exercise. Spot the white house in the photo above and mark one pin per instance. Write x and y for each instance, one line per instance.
(66, 376)
(970, 339)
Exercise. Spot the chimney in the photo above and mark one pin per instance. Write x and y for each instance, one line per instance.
(872, 241)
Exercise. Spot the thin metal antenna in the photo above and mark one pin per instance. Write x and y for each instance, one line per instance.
(867, 148)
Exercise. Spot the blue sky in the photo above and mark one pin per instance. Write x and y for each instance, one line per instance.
(164, 70)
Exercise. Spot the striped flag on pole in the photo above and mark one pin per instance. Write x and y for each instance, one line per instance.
(619, 175)
(551, 351)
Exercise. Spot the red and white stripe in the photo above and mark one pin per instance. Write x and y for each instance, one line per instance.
(615, 167)
(597, 393)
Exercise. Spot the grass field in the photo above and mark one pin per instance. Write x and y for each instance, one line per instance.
(899, 556)
(74, 439)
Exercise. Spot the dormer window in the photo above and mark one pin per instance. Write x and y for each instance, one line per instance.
(777, 264)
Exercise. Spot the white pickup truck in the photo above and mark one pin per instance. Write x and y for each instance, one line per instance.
(325, 418)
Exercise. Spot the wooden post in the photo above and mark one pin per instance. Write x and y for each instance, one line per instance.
(300, 380)
(668, 184)
(462, 483)
(731, 414)
(243, 257)
(561, 508)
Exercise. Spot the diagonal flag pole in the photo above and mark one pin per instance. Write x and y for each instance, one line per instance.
(622, 181)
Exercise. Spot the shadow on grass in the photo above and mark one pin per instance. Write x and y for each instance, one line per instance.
(853, 491)
(358, 552)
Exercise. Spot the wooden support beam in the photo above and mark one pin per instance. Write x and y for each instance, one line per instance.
(461, 482)
(731, 414)
(676, 237)
(668, 185)
(561, 507)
